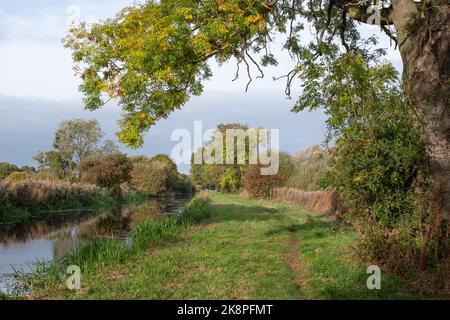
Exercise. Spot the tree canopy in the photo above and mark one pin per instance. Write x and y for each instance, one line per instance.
(6, 169)
(76, 139)
(153, 57)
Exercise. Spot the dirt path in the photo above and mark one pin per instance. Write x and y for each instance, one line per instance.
(292, 259)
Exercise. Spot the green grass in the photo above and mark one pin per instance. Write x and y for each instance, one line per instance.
(246, 250)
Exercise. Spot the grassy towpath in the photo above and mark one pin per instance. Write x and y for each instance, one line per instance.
(248, 250)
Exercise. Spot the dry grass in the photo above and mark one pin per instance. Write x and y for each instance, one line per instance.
(325, 202)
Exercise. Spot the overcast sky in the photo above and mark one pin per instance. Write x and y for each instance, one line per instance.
(38, 88)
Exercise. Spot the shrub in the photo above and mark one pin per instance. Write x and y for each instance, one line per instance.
(198, 209)
(162, 158)
(224, 178)
(6, 169)
(230, 181)
(109, 171)
(207, 176)
(259, 186)
(375, 171)
(151, 177)
(158, 175)
(376, 165)
(17, 176)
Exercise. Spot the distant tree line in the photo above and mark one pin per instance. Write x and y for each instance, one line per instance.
(235, 177)
(80, 156)
(7, 168)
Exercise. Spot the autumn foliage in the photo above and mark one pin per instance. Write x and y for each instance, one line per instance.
(107, 171)
(259, 186)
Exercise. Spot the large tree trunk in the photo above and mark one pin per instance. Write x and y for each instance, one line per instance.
(424, 42)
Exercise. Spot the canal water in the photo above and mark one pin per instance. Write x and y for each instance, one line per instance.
(60, 233)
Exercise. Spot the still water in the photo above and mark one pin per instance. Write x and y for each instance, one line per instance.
(59, 234)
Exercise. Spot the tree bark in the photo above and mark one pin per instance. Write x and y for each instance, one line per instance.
(424, 43)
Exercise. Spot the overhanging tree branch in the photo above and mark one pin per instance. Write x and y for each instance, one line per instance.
(357, 10)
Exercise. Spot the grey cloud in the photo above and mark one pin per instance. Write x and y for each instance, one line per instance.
(27, 125)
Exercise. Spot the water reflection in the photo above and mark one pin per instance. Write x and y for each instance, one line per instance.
(58, 235)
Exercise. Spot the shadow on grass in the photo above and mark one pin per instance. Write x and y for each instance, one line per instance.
(313, 228)
(234, 212)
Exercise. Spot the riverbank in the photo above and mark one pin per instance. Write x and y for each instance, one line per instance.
(57, 236)
(28, 202)
(247, 250)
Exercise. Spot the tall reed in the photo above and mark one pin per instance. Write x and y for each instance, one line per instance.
(325, 202)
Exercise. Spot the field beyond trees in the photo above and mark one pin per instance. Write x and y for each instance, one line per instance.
(247, 249)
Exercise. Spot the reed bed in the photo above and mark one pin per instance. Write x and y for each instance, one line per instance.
(325, 202)
(30, 201)
(34, 193)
